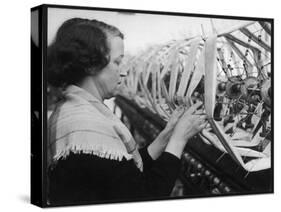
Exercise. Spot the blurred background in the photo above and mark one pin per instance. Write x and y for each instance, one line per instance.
(142, 30)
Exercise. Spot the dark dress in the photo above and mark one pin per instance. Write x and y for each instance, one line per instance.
(85, 178)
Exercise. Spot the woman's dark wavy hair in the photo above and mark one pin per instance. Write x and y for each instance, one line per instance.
(79, 49)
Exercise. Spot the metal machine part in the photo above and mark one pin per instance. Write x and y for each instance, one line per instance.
(250, 90)
(234, 88)
(266, 93)
(205, 170)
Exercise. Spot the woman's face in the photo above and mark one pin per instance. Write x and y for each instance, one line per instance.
(109, 79)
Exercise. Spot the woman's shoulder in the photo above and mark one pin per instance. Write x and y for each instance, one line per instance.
(74, 110)
(76, 116)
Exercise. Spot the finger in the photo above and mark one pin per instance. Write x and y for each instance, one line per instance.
(177, 110)
(203, 126)
(203, 117)
(199, 111)
(199, 117)
(180, 110)
(176, 114)
(194, 107)
(201, 121)
(208, 125)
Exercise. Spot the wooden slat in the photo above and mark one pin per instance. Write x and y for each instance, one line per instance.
(173, 76)
(265, 26)
(188, 67)
(171, 106)
(210, 75)
(241, 42)
(154, 82)
(241, 55)
(253, 37)
(170, 58)
(197, 74)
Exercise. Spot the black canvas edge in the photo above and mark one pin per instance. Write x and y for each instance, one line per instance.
(44, 81)
(155, 12)
(36, 128)
(38, 153)
(41, 201)
(272, 103)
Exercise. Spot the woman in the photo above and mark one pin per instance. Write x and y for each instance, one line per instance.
(92, 157)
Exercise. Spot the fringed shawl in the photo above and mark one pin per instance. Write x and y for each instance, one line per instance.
(81, 123)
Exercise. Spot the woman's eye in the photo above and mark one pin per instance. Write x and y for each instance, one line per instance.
(117, 63)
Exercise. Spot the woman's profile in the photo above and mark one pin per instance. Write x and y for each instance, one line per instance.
(92, 156)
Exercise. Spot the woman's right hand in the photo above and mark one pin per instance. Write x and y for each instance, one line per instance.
(189, 124)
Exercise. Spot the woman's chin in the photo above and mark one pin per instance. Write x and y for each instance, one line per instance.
(119, 89)
(113, 94)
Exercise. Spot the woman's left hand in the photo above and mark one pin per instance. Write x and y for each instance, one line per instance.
(178, 112)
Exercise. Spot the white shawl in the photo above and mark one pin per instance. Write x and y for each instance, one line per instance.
(82, 123)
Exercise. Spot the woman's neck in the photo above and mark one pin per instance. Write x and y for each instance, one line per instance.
(89, 85)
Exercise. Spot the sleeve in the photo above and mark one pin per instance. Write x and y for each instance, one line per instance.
(155, 182)
(146, 158)
(88, 178)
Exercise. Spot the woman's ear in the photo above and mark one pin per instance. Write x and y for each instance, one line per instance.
(92, 71)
